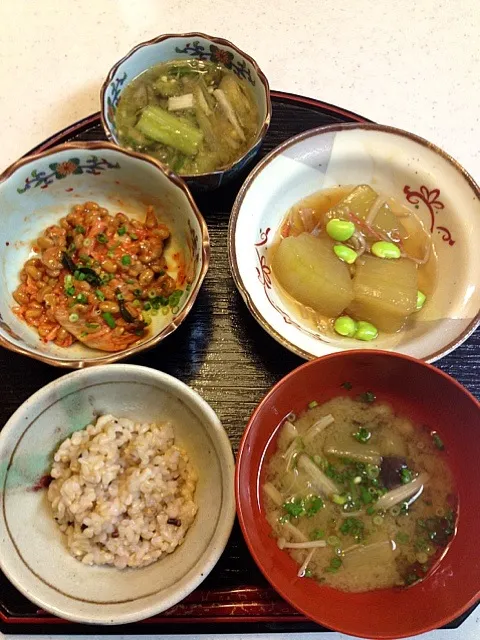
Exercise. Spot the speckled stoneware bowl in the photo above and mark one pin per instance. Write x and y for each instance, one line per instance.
(202, 47)
(33, 553)
(417, 174)
(38, 190)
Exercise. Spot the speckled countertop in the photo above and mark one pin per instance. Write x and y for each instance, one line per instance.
(413, 64)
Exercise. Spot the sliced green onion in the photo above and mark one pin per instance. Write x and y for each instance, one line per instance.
(107, 316)
(87, 242)
(312, 404)
(92, 325)
(368, 396)
(102, 238)
(121, 231)
(136, 303)
(406, 476)
(362, 435)
(100, 295)
(373, 471)
(133, 236)
(337, 499)
(377, 520)
(147, 306)
(370, 511)
(73, 317)
(82, 298)
(79, 229)
(437, 441)
(152, 294)
(333, 541)
(126, 260)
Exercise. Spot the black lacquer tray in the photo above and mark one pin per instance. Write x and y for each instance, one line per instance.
(231, 361)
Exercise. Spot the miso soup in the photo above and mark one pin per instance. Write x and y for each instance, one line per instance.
(360, 496)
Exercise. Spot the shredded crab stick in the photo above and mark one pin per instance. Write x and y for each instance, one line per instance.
(320, 480)
(318, 427)
(400, 494)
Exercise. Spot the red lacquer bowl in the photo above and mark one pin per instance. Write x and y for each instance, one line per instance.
(426, 395)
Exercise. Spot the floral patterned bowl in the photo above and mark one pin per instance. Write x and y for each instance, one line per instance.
(37, 191)
(414, 172)
(189, 45)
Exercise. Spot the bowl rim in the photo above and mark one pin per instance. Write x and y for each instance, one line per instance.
(219, 436)
(220, 41)
(204, 254)
(244, 452)
(237, 205)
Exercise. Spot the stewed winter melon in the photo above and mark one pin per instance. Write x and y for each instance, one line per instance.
(308, 269)
(385, 291)
(354, 258)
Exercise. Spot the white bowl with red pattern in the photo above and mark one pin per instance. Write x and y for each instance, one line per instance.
(413, 171)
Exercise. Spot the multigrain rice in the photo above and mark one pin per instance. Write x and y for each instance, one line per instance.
(122, 492)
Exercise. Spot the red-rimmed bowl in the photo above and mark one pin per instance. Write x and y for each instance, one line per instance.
(428, 396)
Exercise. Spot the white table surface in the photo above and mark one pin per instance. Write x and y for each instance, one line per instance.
(413, 64)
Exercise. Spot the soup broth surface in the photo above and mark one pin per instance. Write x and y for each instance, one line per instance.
(364, 496)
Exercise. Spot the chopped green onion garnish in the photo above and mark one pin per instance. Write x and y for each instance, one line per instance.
(402, 538)
(126, 260)
(133, 236)
(130, 281)
(137, 292)
(362, 435)
(73, 317)
(79, 229)
(377, 520)
(121, 231)
(333, 541)
(406, 476)
(308, 573)
(82, 298)
(136, 303)
(91, 325)
(335, 564)
(174, 299)
(368, 396)
(147, 306)
(312, 404)
(370, 511)
(317, 534)
(152, 294)
(347, 385)
(109, 319)
(100, 295)
(337, 499)
(87, 242)
(437, 441)
(102, 238)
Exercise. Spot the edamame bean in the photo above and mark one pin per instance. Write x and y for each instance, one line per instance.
(345, 326)
(365, 331)
(345, 253)
(340, 230)
(421, 297)
(386, 250)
